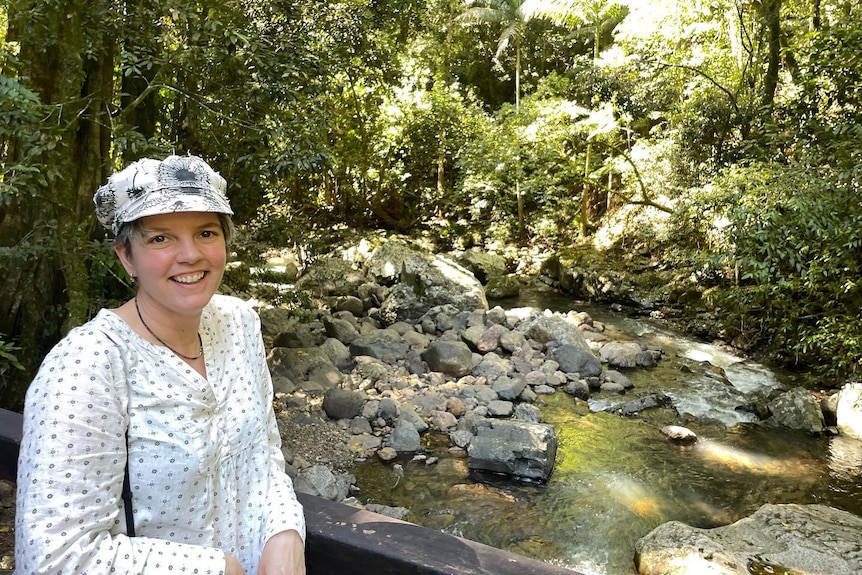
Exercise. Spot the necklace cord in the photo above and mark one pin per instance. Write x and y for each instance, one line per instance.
(161, 341)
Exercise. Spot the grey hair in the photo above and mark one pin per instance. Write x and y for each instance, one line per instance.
(133, 230)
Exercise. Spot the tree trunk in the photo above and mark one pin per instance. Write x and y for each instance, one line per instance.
(585, 194)
(771, 10)
(46, 281)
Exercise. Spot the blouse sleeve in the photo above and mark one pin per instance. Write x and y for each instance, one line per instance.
(283, 511)
(70, 517)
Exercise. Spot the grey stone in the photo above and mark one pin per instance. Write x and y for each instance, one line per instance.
(789, 538)
(574, 359)
(797, 409)
(342, 403)
(848, 411)
(404, 438)
(383, 344)
(514, 447)
(453, 358)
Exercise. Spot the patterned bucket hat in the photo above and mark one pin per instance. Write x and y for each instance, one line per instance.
(149, 187)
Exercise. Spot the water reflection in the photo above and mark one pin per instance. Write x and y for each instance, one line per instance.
(617, 478)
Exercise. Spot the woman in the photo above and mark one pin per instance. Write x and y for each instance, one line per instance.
(175, 378)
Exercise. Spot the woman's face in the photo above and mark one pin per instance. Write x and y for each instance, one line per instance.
(178, 260)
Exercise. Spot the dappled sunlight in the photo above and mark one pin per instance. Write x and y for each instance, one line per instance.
(483, 491)
(742, 460)
(694, 564)
(451, 270)
(635, 496)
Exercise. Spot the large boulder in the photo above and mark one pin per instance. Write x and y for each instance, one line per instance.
(296, 363)
(562, 330)
(484, 265)
(518, 448)
(575, 359)
(849, 410)
(798, 539)
(797, 409)
(385, 344)
(434, 279)
(330, 276)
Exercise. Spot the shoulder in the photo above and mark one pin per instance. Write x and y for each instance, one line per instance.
(92, 357)
(233, 311)
(230, 305)
(101, 334)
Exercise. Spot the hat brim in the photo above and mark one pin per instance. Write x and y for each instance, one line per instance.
(176, 200)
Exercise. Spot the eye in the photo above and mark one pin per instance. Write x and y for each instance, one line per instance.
(209, 234)
(159, 239)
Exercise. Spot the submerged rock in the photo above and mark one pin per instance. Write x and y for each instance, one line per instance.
(516, 448)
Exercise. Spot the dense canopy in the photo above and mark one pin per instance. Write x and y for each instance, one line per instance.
(487, 122)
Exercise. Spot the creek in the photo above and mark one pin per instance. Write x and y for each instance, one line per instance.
(616, 478)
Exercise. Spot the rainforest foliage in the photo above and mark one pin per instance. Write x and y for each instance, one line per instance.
(477, 121)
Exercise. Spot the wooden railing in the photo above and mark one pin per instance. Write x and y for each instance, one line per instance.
(343, 540)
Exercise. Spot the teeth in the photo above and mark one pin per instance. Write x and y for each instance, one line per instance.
(189, 279)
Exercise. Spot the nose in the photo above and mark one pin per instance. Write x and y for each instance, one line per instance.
(188, 251)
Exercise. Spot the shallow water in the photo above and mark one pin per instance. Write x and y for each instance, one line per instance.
(617, 478)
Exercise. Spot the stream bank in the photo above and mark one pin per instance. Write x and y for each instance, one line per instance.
(616, 477)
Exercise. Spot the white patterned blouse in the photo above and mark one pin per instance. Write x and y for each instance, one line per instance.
(206, 468)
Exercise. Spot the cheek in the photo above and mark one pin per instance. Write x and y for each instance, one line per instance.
(217, 256)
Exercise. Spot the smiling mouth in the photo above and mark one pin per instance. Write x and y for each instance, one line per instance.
(189, 278)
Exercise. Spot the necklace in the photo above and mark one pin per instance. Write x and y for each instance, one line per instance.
(161, 341)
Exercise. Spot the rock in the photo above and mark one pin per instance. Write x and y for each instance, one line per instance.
(461, 437)
(849, 410)
(394, 512)
(617, 354)
(516, 448)
(296, 363)
(500, 408)
(797, 409)
(555, 328)
(507, 387)
(575, 359)
(442, 420)
(679, 434)
(338, 353)
(340, 329)
(330, 276)
(578, 389)
(299, 335)
(616, 377)
(489, 340)
(342, 403)
(404, 438)
(500, 287)
(382, 344)
(387, 454)
(434, 279)
(402, 304)
(484, 265)
(636, 405)
(528, 412)
(453, 358)
(275, 320)
(349, 303)
(492, 366)
(798, 539)
(320, 481)
(513, 341)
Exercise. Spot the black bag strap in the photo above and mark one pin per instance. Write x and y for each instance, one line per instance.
(127, 495)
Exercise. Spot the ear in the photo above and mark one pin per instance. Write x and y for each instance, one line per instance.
(126, 260)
